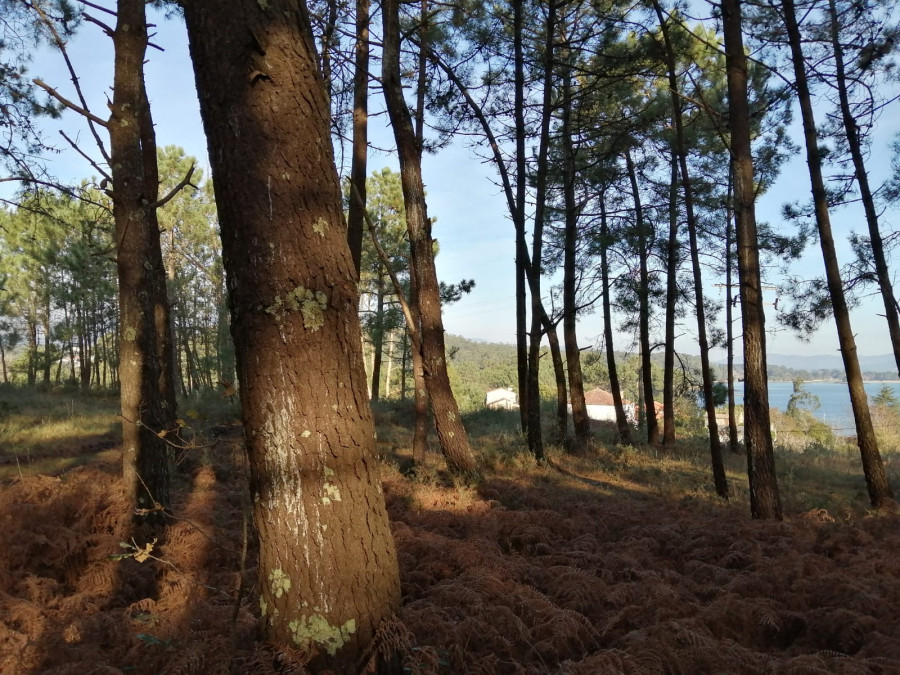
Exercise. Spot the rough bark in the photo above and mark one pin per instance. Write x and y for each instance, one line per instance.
(622, 423)
(672, 266)
(729, 321)
(359, 161)
(451, 432)
(715, 445)
(527, 398)
(142, 296)
(580, 420)
(765, 502)
(644, 307)
(327, 565)
(880, 493)
(876, 242)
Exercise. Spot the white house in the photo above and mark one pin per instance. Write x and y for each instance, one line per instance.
(600, 406)
(501, 399)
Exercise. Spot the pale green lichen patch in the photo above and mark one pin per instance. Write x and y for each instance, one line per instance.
(320, 227)
(280, 581)
(306, 433)
(329, 472)
(129, 334)
(263, 606)
(332, 493)
(311, 305)
(315, 629)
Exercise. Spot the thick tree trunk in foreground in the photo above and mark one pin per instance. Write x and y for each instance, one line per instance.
(143, 306)
(765, 501)
(327, 568)
(451, 432)
(876, 480)
(525, 368)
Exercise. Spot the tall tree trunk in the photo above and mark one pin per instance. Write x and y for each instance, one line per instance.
(539, 321)
(451, 432)
(580, 419)
(142, 299)
(765, 502)
(526, 398)
(715, 444)
(672, 266)
(729, 320)
(378, 337)
(622, 423)
(355, 220)
(880, 493)
(851, 132)
(327, 565)
(643, 307)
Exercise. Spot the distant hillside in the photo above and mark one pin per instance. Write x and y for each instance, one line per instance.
(477, 366)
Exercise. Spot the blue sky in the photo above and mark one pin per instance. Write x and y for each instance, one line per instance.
(475, 234)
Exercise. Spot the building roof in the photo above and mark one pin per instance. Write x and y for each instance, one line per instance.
(598, 397)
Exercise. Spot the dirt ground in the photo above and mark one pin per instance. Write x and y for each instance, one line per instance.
(534, 572)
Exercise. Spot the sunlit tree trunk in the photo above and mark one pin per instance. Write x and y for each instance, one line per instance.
(880, 493)
(580, 420)
(765, 502)
(447, 420)
(327, 565)
(143, 306)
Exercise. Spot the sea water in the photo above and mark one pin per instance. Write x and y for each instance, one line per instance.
(834, 398)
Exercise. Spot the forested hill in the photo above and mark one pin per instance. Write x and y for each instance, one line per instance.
(479, 366)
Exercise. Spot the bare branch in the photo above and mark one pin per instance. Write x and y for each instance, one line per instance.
(86, 156)
(175, 190)
(69, 104)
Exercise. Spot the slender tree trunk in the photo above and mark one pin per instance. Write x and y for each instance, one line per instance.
(527, 398)
(539, 321)
(559, 375)
(580, 419)
(390, 364)
(715, 444)
(48, 345)
(3, 362)
(142, 300)
(644, 307)
(729, 320)
(355, 220)
(672, 267)
(765, 502)
(451, 432)
(851, 132)
(622, 423)
(880, 493)
(327, 564)
(378, 337)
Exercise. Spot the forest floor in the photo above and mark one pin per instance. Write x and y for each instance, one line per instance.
(618, 562)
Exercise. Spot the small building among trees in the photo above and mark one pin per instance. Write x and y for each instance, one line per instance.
(600, 406)
(501, 399)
